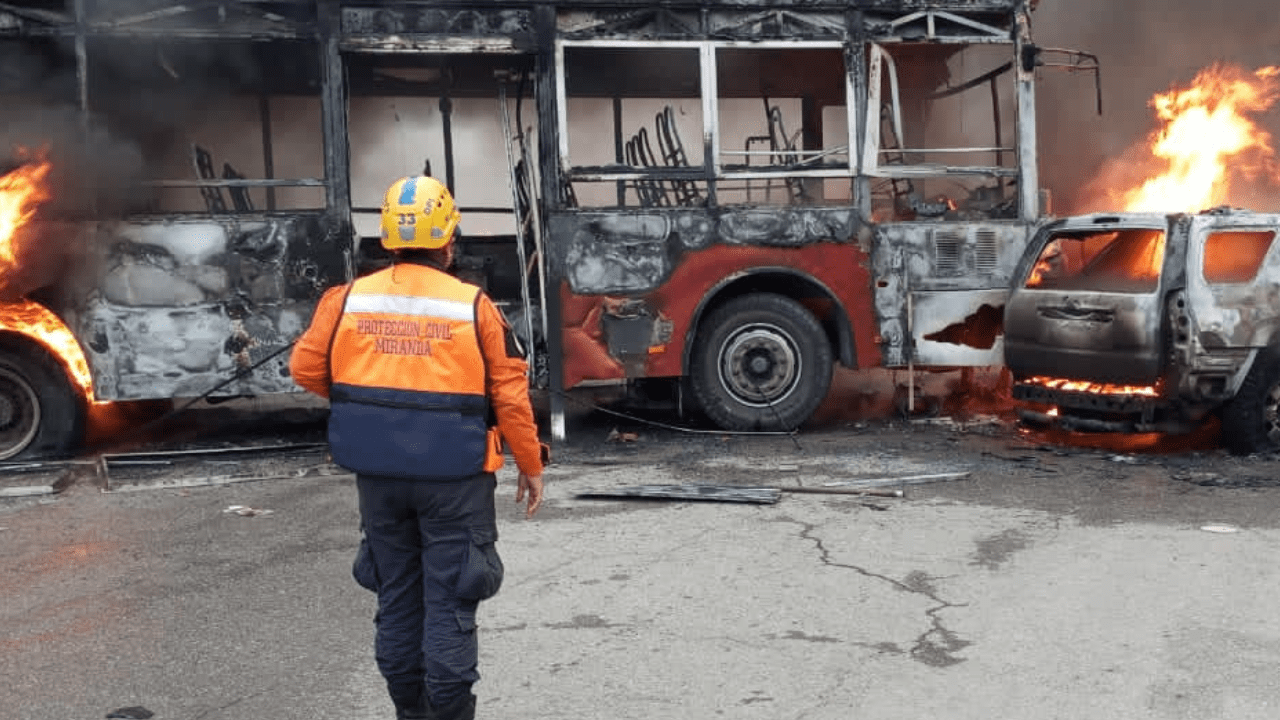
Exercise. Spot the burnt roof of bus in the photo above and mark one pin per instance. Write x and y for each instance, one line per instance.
(307, 19)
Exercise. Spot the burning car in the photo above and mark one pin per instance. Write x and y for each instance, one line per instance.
(1147, 322)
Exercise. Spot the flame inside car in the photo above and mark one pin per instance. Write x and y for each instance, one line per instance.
(1096, 283)
(1084, 386)
(1105, 261)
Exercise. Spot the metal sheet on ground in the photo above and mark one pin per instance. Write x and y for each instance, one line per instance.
(713, 493)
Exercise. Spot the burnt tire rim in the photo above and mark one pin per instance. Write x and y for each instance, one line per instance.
(19, 413)
(759, 365)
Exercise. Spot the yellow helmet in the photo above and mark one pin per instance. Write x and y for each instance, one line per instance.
(418, 212)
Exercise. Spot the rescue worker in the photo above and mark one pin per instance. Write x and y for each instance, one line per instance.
(418, 367)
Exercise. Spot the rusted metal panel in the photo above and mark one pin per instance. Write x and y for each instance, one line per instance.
(958, 328)
(996, 6)
(389, 18)
(415, 28)
(839, 269)
(745, 19)
(194, 20)
(180, 305)
(1141, 356)
(954, 269)
(418, 44)
(647, 274)
(1240, 314)
(550, 189)
(667, 23)
(610, 338)
(757, 22)
(333, 118)
(959, 6)
(1028, 158)
(1121, 344)
(636, 251)
(1099, 320)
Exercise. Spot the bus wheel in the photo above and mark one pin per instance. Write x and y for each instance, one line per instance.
(760, 362)
(40, 413)
(1251, 420)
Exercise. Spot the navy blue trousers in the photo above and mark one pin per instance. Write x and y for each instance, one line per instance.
(432, 547)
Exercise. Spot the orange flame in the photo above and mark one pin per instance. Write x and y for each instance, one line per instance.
(1092, 387)
(21, 193)
(1207, 139)
(36, 321)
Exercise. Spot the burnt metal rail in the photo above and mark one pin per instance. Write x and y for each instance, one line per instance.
(169, 469)
(37, 477)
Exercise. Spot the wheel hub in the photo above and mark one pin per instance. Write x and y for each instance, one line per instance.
(759, 365)
(19, 413)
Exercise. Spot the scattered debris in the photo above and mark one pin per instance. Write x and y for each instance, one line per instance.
(902, 480)
(27, 491)
(1234, 480)
(626, 437)
(35, 479)
(246, 511)
(136, 712)
(978, 422)
(213, 466)
(1223, 529)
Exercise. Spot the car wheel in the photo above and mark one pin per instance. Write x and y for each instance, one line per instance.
(1251, 420)
(760, 362)
(41, 414)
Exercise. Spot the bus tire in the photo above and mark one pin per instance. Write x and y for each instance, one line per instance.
(760, 362)
(41, 413)
(1251, 419)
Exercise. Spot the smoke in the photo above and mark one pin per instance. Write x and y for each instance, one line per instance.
(1145, 47)
(142, 99)
(145, 96)
(91, 171)
(94, 168)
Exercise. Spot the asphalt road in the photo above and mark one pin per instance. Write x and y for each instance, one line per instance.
(1052, 582)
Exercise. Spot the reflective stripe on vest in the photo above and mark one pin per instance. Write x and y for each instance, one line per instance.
(415, 306)
(408, 393)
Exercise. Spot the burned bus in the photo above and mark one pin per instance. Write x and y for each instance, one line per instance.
(711, 202)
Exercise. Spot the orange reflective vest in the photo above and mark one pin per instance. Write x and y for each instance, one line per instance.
(408, 377)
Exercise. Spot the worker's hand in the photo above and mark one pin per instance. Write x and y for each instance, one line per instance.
(531, 484)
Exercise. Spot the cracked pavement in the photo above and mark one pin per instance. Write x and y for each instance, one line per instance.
(1054, 582)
